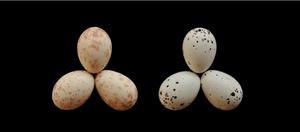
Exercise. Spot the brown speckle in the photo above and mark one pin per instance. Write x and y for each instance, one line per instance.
(95, 46)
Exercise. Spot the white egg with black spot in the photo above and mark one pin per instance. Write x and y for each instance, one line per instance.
(199, 49)
(221, 90)
(179, 90)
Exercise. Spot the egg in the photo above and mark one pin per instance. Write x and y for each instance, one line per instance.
(179, 90)
(199, 49)
(116, 90)
(72, 90)
(221, 90)
(94, 49)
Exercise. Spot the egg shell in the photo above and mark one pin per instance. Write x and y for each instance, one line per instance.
(199, 49)
(221, 90)
(179, 90)
(94, 49)
(72, 90)
(116, 90)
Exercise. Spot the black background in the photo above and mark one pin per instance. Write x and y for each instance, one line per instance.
(256, 44)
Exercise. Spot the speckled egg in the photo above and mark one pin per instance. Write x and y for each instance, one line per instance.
(116, 90)
(221, 90)
(94, 49)
(179, 90)
(72, 90)
(199, 49)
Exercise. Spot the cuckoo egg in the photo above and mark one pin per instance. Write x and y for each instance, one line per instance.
(72, 90)
(116, 90)
(221, 90)
(94, 49)
(199, 49)
(179, 90)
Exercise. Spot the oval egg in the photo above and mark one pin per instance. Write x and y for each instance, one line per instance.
(72, 90)
(199, 49)
(116, 90)
(94, 49)
(179, 90)
(221, 90)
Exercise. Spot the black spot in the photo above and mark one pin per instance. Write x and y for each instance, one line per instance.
(197, 41)
(207, 41)
(177, 82)
(167, 86)
(232, 94)
(175, 97)
(174, 89)
(193, 45)
(228, 102)
(173, 108)
(227, 99)
(209, 49)
(181, 104)
(211, 41)
(208, 32)
(165, 102)
(166, 95)
(188, 38)
(160, 93)
(239, 98)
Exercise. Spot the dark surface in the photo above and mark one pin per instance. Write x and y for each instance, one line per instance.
(254, 45)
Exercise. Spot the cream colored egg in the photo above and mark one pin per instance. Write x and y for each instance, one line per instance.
(72, 90)
(221, 89)
(116, 90)
(94, 49)
(199, 49)
(179, 90)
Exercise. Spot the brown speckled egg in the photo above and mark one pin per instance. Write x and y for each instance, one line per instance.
(94, 49)
(72, 90)
(117, 90)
